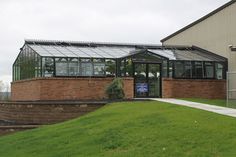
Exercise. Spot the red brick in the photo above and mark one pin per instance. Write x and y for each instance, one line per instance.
(66, 89)
(189, 88)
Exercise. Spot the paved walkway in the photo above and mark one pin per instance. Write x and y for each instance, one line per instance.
(212, 108)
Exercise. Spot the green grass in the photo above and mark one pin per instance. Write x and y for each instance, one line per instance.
(217, 102)
(132, 129)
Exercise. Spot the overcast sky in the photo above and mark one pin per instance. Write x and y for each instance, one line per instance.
(135, 21)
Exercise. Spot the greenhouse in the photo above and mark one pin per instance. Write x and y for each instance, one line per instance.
(147, 64)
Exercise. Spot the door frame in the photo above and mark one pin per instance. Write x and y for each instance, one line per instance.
(147, 78)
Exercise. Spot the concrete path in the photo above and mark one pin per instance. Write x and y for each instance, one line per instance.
(212, 108)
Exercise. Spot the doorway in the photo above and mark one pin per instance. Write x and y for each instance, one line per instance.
(147, 80)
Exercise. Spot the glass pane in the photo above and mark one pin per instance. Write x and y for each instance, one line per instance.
(154, 80)
(77, 51)
(122, 68)
(164, 68)
(105, 54)
(48, 67)
(179, 69)
(188, 70)
(165, 53)
(99, 69)
(64, 50)
(110, 67)
(61, 67)
(98, 60)
(52, 50)
(86, 69)
(85, 60)
(141, 84)
(209, 70)
(73, 67)
(198, 70)
(40, 50)
(90, 52)
(219, 71)
(129, 67)
(170, 69)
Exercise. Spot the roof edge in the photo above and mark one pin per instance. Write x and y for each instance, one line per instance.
(87, 43)
(199, 20)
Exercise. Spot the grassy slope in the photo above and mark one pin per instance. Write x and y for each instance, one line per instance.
(217, 102)
(140, 129)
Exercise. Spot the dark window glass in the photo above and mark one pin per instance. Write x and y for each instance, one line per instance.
(122, 68)
(170, 69)
(198, 70)
(86, 67)
(164, 68)
(179, 69)
(188, 70)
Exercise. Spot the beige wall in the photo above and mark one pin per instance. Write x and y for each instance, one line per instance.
(214, 34)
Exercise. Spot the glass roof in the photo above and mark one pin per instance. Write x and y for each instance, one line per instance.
(188, 55)
(84, 52)
(120, 52)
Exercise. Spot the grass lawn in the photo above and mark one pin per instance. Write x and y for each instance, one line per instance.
(217, 102)
(130, 129)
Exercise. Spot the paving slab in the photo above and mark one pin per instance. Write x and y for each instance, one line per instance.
(212, 108)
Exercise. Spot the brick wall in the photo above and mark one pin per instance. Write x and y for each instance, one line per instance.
(65, 89)
(30, 113)
(186, 88)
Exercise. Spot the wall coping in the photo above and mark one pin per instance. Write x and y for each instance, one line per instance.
(193, 80)
(71, 78)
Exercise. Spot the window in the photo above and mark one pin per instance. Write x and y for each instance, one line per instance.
(198, 70)
(179, 69)
(110, 67)
(99, 67)
(164, 68)
(188, 70)
(86, 67)
(61, 67)
(219, 71)
(170, 69)
(128, 67)
(209, 70)
(74, 67)
(122, 68)
(48, 67)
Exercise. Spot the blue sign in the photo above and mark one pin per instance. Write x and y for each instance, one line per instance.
(142, 87)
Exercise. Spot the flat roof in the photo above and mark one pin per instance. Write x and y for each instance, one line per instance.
(199, 20)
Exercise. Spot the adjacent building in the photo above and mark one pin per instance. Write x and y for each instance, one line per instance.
(214, 32)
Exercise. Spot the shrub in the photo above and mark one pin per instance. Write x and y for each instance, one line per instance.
(115, 89)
